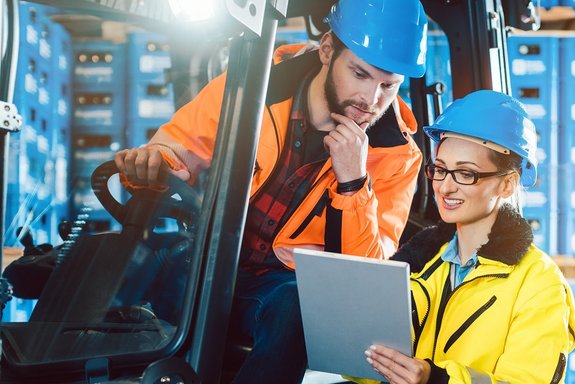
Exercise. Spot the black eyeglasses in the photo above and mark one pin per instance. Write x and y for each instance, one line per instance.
(460, 176)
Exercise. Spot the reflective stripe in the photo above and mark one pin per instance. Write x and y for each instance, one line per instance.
(481, 378)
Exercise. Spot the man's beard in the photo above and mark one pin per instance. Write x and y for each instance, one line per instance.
(337, 106)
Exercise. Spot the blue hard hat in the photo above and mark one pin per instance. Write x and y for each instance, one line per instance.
(388, 34)
(492, 117)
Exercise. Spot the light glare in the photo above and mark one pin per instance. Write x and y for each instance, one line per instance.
(193, 10)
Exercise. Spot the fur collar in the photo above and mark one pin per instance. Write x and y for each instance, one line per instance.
(508, 241)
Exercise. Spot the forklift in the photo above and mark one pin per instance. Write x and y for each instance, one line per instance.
(142, 305)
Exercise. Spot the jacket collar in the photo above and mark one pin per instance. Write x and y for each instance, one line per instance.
(508, 241)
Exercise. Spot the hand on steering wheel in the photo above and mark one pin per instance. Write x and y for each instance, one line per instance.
(162, 200)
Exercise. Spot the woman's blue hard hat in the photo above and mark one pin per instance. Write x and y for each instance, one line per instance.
(492, 117)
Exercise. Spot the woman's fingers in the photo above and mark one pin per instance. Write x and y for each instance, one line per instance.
(397, 367)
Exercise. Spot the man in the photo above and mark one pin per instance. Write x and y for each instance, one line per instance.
(336, 167)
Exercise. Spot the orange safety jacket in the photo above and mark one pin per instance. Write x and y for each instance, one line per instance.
(368, 223)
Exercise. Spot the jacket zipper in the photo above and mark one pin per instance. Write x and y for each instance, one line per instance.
(467, 323)
(559, 369)
(417, 326)
(445, 300)
(317, 209)
(278, 158)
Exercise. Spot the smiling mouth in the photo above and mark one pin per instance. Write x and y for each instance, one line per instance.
(452, 202)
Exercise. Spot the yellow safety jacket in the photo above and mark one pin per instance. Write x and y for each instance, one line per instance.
(369, 223)
(510, 321)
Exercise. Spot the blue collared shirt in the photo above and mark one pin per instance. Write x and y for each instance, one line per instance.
(451, 256)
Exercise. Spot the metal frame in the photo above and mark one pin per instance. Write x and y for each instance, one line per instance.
(478, 48)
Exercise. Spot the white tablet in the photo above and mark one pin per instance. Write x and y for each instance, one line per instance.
(349, 303)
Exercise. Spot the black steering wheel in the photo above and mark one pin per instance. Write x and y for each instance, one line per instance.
(163, 199)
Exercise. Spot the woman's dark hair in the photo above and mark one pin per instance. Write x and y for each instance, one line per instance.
(503, 162)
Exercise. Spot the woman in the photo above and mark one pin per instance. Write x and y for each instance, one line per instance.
(488, 306)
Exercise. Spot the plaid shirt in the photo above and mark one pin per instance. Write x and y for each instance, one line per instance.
(300, 161)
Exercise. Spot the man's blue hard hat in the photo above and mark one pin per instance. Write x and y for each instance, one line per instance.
(492, 117)
(388, 34)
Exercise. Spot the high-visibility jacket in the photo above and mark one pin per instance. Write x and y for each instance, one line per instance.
(511, 320)
(368, 223)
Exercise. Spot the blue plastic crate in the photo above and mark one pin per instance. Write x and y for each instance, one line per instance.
(534, 65)
(45, 86)
(148, 56)
(28, 79)
(548, 3)
(543, 221)
(86, 205)
(570, 371)
(97, 140)
(567, 146)
(61, 188)
(104, 111)
(566, 215)
(139, 133)
(566, 229)
(544, 192)
(62, 74)
(26, 210)
(45, 36)
(547, 144)
(99, 65)
(150, 101)
(567, 97)
(32, 83)
(86, 160)
(539, 98)
(29, 159)
(29, 15)
(18, 310)
(83, 196)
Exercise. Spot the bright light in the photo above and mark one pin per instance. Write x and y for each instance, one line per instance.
(193, 10)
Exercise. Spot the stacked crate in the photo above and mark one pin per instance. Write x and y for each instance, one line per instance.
(38, 155)
(567, 146)
(554, 3)
(548, 3)
(31, 171)
(61, 127)
(534, 65)
(99, 123)
(150, 94)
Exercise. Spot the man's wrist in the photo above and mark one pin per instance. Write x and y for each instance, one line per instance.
(351, 186)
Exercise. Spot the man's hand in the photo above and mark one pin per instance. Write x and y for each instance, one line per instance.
(397, 367)
(143, 165)
(347, 146)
